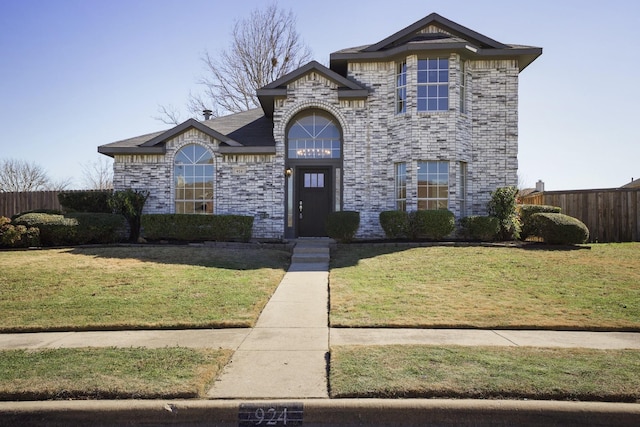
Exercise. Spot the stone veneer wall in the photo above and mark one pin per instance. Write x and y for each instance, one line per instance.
(375, 138)
(245, 184)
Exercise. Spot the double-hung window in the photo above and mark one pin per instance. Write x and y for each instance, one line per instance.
(433, 185)
(433, 84)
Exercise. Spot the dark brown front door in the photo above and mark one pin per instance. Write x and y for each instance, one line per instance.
(314, 201)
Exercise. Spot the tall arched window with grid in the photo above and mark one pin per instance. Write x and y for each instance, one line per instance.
(194, 180)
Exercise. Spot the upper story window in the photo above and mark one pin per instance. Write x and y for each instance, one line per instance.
(433, 84)
(401, 87)
(314, 136)
(193, 180)
(463, 87)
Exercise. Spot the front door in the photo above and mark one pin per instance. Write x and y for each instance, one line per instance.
(314, 201)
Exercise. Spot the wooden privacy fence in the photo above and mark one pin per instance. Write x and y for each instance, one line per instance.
(612, 215)
(15, 203)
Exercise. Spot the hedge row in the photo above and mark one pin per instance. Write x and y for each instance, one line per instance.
(197, 227)
(75, 228)
(427, 224)
(86, 201)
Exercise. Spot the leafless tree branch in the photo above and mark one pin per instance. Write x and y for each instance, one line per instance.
(98, 175)
(264, 47)
(20, 176)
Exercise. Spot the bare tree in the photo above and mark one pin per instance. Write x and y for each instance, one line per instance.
(169, 114)
(264, 47)
(98, 175)
(20, 175)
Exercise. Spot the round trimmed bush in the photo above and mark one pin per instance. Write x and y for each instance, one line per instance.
(343, 225)
(431, 224)
(525, 212)
(560, 229)
(394, 223)
(483, 228)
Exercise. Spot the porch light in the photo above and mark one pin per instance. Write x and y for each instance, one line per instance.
(288, 172)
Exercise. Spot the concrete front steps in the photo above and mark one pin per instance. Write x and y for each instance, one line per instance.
(312, 251)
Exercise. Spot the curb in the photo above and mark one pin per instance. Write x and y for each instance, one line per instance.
(320, 412)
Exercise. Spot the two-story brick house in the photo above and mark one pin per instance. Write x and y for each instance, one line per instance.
(425, 119)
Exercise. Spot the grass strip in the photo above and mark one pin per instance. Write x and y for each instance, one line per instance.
(487, 287)
(136, 287)
(109, 373)
(484, 373)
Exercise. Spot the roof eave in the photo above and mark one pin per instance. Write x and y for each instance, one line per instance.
(247, 150)
(112, 151)
(525, 55)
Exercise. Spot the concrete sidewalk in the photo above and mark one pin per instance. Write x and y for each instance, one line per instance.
(233, 338)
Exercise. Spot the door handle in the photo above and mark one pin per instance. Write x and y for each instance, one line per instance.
(300, 206)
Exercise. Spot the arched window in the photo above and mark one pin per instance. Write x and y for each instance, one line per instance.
(194, 173)
(313, 136)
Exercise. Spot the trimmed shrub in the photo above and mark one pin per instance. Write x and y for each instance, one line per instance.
(343, 225)
(86, 201)
(525, 212)
(560, 229)
(75, 228)
(192, 227)
(129, 203)
(394, 223)
(17, 236)
(503, 206)
(431, 224)
(483, 228)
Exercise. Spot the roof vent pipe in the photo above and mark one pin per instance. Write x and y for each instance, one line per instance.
(207, 114)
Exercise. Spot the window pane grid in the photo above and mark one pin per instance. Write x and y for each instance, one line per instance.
(433, 84)
(433, 185)
(314, 137)
(193, 180)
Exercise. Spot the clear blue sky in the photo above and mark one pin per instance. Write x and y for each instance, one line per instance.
(75, 74)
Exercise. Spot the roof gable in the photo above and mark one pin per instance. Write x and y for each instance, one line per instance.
(437, 35)
(191, 123)
(309, 67)
(415, 29)
(346, 88)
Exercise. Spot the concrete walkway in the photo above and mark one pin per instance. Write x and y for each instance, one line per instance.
(284, 356)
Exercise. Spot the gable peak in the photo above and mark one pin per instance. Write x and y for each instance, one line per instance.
(434, 27)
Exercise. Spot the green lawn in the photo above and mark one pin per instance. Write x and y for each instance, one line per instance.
(136, 287)
(485, 372)
(487, 287)
(109, 373)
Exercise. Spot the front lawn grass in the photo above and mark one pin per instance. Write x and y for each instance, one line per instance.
(484, 373)
(109, 373)
(136, 287)
(487, 287)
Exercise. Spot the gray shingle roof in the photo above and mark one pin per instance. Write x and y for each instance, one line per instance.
(246, 131)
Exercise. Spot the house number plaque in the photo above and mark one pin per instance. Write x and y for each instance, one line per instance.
(283, 414)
